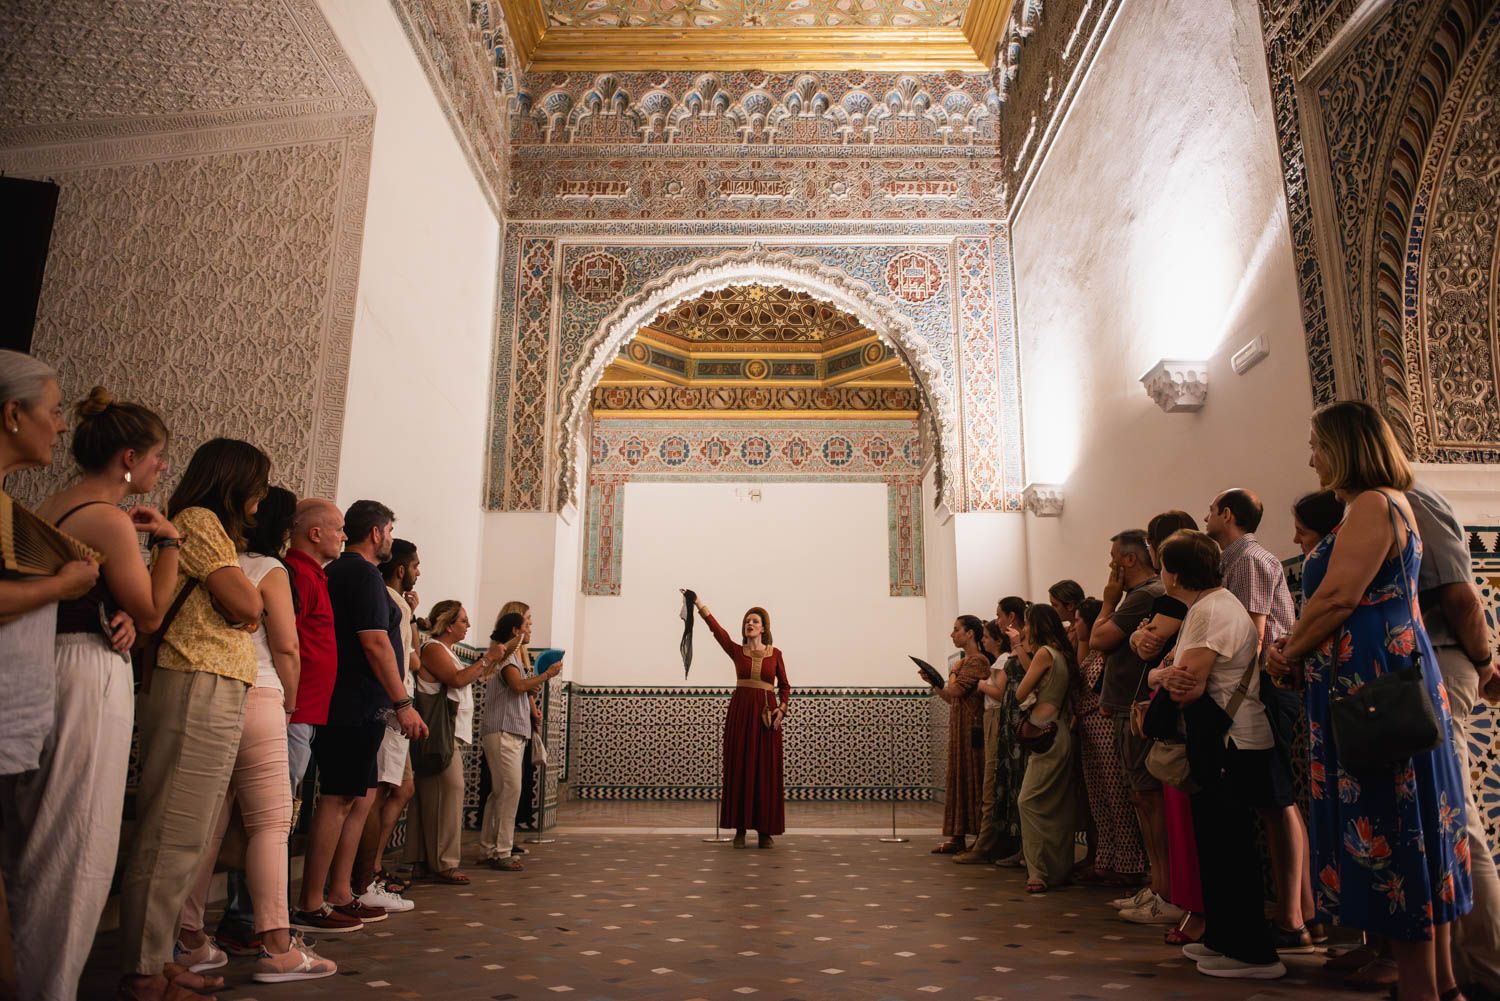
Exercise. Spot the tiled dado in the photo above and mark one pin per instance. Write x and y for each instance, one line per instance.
(664, 743)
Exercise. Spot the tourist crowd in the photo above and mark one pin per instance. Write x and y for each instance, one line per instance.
(265, 632)
(1190, 715)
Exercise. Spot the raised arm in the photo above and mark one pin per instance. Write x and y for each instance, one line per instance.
(725, 641)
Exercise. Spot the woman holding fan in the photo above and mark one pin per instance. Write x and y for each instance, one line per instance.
(753, 795)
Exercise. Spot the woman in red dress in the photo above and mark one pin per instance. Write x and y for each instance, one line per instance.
(753, 796)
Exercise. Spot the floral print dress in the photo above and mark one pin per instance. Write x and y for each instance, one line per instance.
(1390, 855)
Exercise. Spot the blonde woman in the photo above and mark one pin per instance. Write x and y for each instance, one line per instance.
(434, 840)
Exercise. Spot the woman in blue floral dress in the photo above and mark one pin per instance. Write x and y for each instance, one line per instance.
(1390, 854)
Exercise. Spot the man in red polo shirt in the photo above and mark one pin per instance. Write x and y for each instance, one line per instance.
(317, 538)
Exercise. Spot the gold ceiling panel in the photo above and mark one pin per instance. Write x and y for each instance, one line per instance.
(876, 35)
(751, 314)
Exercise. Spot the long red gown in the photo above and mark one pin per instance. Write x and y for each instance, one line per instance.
(753, 795)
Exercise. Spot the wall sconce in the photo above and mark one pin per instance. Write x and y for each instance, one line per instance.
(1177, 386)
(1044, 500)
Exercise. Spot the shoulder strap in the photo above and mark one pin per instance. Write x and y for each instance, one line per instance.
(1393, 509)
(1242, 690)
(182, 596)
(75, 509)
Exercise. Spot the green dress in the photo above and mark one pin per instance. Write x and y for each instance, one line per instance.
(1049, 792)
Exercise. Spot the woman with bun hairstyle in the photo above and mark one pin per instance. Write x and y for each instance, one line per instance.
(69, 809)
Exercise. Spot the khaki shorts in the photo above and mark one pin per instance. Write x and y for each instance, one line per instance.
(1132, 752)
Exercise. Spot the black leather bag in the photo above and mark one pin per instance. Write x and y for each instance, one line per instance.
(1384, 722)
(1377, 727)
(431, 755)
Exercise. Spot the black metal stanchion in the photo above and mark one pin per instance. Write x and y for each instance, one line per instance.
(894, 838)
(718, 839)
(540, 837)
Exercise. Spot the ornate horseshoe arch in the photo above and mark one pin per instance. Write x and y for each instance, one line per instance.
(742, 267)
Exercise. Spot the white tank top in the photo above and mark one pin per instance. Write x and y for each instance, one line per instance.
(463, 723)
(256, 567)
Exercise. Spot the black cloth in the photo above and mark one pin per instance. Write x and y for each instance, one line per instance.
(1224, 825)
(360, 603)
(347, 757)
(1172, 608)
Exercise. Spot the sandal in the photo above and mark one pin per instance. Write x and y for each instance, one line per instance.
(1176, 936)
(392, 882)
(1353, 959)
(452, 877)
(949, 848)
(1034, 887)
(1372, 976)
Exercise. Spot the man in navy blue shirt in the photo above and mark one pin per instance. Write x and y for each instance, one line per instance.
(368, 691)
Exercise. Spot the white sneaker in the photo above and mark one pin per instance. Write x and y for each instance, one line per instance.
(378, 896)
(1233, 969)
(1197, 951)
(1142, 897)
(1158, 912)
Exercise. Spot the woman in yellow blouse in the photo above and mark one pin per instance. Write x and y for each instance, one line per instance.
(192, 708)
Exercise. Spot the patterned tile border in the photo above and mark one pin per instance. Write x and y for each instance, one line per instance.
(663, 743)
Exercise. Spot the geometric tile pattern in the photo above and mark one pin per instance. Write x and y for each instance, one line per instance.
(664, 743)
(646, 916)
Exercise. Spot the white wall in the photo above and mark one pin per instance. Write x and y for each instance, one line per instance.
(813, 554)
(1157, 228)
(418, 399)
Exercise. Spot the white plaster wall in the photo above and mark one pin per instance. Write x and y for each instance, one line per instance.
(813, 554)
(1157, 228)
(990, 561)
(414, 429)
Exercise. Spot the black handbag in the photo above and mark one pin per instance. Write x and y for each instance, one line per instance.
(1380, 725)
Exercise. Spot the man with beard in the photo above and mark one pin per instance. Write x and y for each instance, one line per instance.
(376, 887)
(370, 688)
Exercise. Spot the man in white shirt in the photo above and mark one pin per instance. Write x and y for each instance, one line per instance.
(396, 786)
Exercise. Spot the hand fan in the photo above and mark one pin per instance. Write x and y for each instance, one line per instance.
(32, 546)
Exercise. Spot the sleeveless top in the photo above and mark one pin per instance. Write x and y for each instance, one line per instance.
(90, 613)
(256, 567)
(463, 723)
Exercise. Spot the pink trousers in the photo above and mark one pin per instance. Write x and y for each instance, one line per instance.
(260, 788)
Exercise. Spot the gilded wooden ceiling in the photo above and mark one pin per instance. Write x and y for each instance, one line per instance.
(756, 351)
(774, 35)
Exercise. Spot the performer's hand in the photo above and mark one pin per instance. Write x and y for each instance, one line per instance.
(776, 716)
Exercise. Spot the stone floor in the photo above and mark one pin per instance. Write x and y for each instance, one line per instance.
(666, 916)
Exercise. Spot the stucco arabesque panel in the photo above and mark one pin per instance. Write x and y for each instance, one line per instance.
(743, 266)
(1453, 345)
(176, 251)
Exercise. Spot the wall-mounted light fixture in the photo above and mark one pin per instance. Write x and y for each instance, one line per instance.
(1177, 386)
(1249, 356)
(1044, 500)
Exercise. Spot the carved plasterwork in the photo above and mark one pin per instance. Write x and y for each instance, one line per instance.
(209, 220)
(1042, 60)
(1384, 119)
(754, 313)
(464, 49)
(742, 267)
(1177, 386)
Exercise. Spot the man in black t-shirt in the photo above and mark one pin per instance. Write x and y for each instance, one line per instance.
(368, 690)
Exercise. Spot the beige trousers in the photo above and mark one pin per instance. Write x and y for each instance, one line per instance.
(190, 735)
(503, 753)
(434, 825)
(62, 821)
(1476, 939)
(989, 805)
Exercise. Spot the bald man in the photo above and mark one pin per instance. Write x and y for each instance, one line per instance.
(317, 538)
